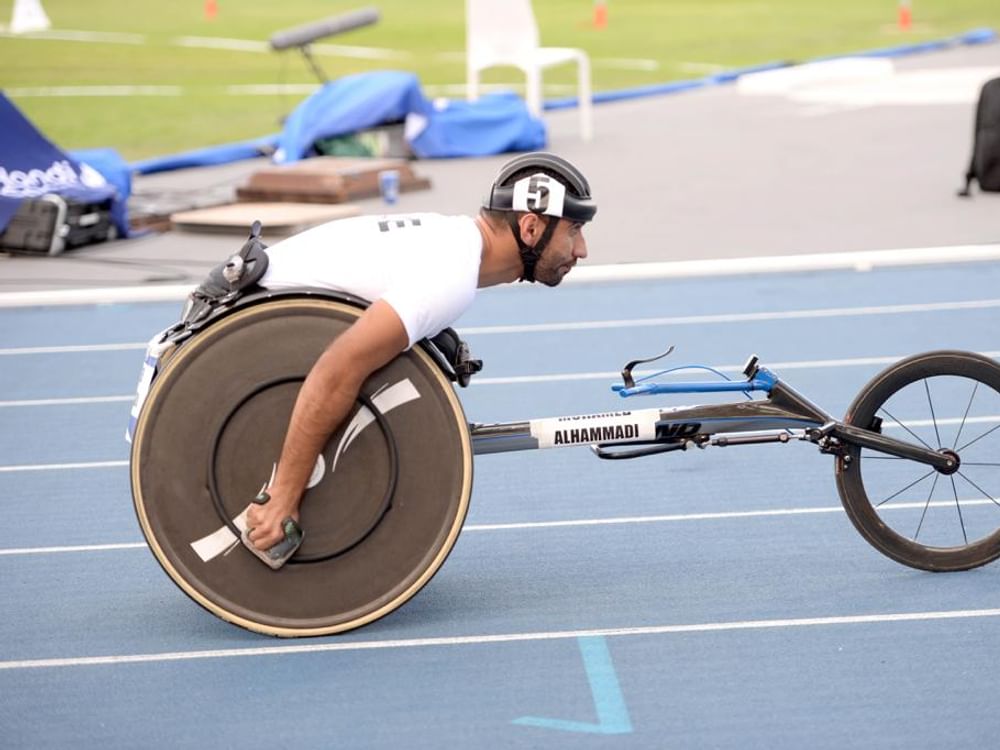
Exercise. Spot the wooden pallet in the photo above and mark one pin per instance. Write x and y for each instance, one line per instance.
(327, 179)
(277, 218)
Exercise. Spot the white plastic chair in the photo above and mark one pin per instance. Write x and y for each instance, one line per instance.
(504, 32)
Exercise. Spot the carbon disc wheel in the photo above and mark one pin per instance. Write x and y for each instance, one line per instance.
(377, 527)
(947, 400)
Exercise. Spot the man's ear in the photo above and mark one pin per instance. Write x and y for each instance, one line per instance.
(531, 227)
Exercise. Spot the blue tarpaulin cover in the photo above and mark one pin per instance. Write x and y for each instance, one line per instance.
(31, 166)
(495, 124)
(492, 125)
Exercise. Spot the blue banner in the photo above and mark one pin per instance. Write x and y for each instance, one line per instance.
(31, 166)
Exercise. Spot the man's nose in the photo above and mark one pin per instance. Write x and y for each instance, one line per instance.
(580, 248)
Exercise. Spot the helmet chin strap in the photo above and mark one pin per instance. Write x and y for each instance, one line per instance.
(530, 255)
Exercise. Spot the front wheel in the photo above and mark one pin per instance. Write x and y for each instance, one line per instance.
(908, 510)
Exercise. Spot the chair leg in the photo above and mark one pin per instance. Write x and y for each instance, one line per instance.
(533, 94)
(471, 83)
(585, 102)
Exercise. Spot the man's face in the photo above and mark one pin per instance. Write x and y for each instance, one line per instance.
(565, 248)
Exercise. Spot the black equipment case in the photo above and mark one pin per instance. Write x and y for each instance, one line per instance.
(50, 224)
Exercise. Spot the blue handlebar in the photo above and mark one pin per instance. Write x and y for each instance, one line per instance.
(763, 380)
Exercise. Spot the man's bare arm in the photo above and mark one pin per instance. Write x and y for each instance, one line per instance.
(326, 397)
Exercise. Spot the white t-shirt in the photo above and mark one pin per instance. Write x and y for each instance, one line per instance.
(426, 266)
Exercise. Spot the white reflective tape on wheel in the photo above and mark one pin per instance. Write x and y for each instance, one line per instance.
(211, 546)
(586, 429)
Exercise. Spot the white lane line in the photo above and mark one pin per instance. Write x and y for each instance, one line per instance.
(681, 320)
(71, 349)
(68, 35)
(72, 548)
(819, 364)
(360, 53)
(778, 367)
(255, 45)
(97, 296)
(62, 467)
(234, 45)
(271, 89)
(626, 63)
(469, 640)
(460, 89)
(864, 260)
(124, 90)
(67, 401)
(569, 523)
(829, 312)
(702, 68)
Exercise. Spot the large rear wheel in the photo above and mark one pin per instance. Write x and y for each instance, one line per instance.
(377, 526)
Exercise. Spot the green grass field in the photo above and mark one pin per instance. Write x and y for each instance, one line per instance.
(681, 38)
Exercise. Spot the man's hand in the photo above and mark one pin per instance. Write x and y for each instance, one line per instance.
(265, 522)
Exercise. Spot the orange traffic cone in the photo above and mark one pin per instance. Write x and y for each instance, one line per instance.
(211, 9)
(905, 15)
(600, 14)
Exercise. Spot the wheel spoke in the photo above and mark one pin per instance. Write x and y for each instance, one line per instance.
(930, 403)
(985, 493)
(926, 506)
(966, 415)
(978, 463)
(992, 429)
(911, 484)
(958, 507)
(915, 435)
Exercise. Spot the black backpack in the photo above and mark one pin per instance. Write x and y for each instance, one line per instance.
(985, 164)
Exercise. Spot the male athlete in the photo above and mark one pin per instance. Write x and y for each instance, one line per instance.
(421, 272)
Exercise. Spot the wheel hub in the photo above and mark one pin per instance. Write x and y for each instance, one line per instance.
(954, 462)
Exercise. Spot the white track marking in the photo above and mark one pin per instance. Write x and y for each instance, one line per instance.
(360, 53)
(233, 45)
(67, 401)
(125, 90)
(67, 35)
(460, 89)
(700, 320)
(211, 42)
(272, 89)
(72, 548)
(72, 349)
(859, 261)
(469, 640)
(568, 523)
(63, 467)
(594, 325)
(819, 364)
(702, 68)
(625, 63)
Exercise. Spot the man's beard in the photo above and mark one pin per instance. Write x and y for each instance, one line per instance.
(547, 274)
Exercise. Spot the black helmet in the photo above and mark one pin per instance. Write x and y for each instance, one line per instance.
(570, 200)
(556, 189)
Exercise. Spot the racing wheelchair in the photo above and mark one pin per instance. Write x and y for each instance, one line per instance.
(915, 457)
